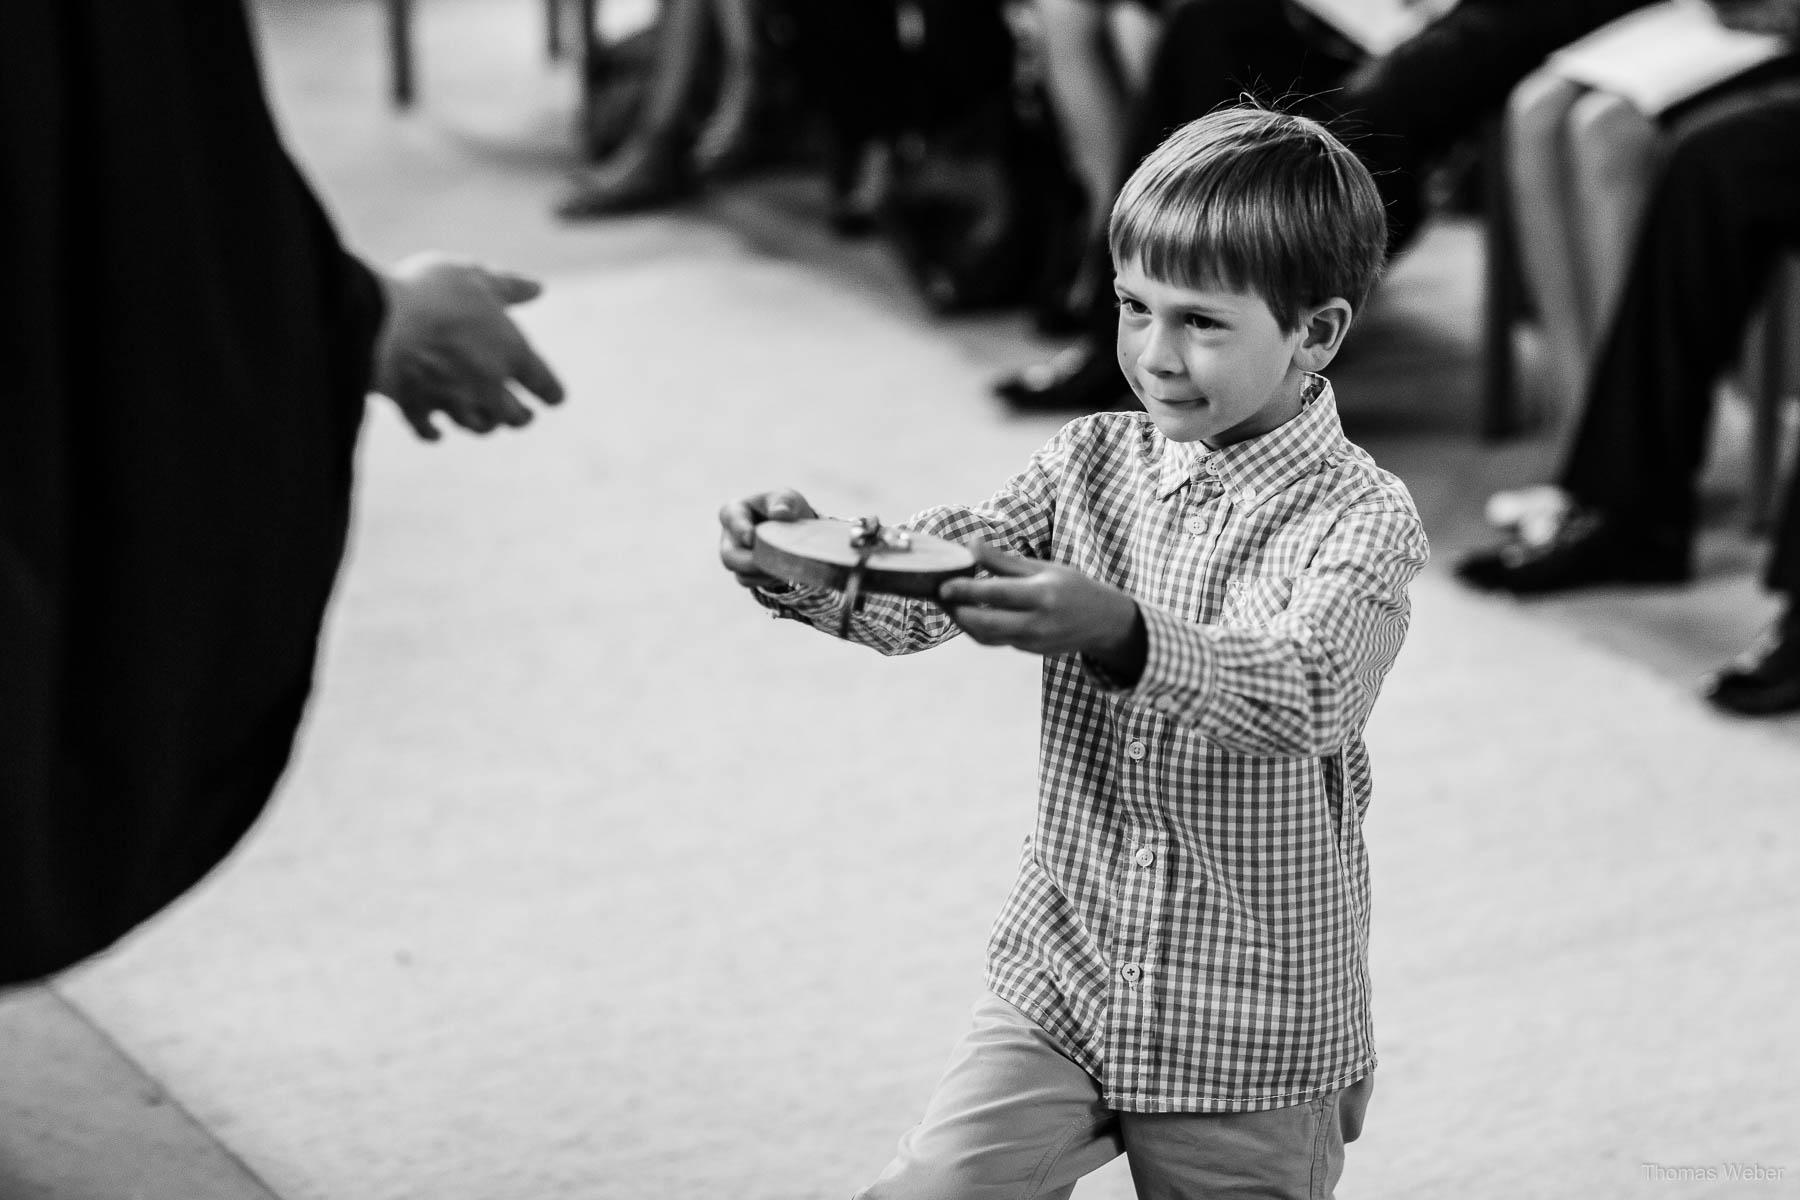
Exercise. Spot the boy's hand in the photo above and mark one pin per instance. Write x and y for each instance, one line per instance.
(739, 520)
(1048, 608)
(447, 346)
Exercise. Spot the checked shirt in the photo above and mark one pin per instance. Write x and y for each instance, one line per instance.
(1191, 916)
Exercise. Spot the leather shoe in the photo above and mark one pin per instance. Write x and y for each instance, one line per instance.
(1766, 680)
(1078, 378)
(1585, 548)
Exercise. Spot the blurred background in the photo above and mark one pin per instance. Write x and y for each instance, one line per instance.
(590, 881)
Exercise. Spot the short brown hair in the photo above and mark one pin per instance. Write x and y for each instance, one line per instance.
(1259, 201)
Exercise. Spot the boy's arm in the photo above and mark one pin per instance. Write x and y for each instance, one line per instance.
(1304, 683)
(1018, 517)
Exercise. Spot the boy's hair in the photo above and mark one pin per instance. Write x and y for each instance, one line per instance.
(1258, 201)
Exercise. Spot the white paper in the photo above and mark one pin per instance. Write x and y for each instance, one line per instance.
(1377, 25)
(1659, 56)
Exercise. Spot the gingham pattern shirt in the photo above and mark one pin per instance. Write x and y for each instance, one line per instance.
(1191, 916)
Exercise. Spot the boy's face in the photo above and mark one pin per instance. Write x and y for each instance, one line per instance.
(1208, 364)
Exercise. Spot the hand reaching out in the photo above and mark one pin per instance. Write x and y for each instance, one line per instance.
(1048, 608)
(448, 346)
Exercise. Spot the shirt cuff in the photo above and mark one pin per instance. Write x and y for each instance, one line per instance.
(797, 601)
(1180, 666)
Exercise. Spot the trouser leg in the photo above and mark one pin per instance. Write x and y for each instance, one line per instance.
(1013, 1118)
(1729, 200)
(1403, 111)
(1783, 573)
(1294, 1153)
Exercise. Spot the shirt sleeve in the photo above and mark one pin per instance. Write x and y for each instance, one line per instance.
(1303, 683)
(1018, 518)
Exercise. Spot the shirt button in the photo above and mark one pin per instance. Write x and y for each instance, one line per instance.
(1145, 857)
(1131, 972)
(1134, 750)
(1195, 525)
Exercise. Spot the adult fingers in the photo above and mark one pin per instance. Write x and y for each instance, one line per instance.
(535, 374)
(466, 409)
(498, 402)
(420, 420)
(513, 288)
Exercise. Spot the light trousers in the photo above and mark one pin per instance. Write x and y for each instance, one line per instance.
(1014, 1118)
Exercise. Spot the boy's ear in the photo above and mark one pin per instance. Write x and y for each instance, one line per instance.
(1322, 330)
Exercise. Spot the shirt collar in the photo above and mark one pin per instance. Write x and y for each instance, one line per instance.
(1253, 470)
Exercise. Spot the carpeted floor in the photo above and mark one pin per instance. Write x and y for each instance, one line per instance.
(592, 882)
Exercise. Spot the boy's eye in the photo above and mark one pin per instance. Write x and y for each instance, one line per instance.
(1202, 321)
(1134, 307)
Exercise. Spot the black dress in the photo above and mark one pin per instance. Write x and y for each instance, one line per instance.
(184, 353)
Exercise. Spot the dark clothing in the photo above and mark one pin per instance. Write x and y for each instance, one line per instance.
(1725, 209)
(1401, 112)
(874, 77)
(187, 348)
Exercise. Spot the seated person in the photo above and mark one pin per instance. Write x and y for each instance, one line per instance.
(1581, 160)
(1097, 56)
(1726, 208)
(670, 148)
(1401, 111)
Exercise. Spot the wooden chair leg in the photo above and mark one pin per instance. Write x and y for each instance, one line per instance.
(400, 51)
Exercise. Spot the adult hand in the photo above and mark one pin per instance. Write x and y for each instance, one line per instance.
(738, 521)
(448, 346)
(1048, 608)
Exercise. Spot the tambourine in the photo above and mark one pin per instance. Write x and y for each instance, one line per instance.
(858, 558)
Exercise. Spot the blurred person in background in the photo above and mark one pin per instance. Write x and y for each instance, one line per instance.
(699, 113)
(1097, 57)
(1582, 159)
(1723, 213)
(1403, 112)
(188, 351)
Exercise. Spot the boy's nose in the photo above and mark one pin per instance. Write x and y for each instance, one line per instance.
(1157, 353)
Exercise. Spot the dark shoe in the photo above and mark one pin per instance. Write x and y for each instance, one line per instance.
(1079, 378)
(1585, 549)
(1766, 680)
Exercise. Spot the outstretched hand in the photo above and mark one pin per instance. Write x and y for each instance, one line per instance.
(737, 538)
(448, 346)
(1047, 608)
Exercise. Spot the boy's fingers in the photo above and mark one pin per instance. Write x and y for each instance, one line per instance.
(990, 626)
(1000, 562)
(786, 505)
(737, 559)
(1013, 595)
(739, 521)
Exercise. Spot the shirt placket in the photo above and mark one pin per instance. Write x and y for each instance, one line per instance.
(1141, 896)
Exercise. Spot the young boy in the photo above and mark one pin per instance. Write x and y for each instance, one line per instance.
(1217, 586)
